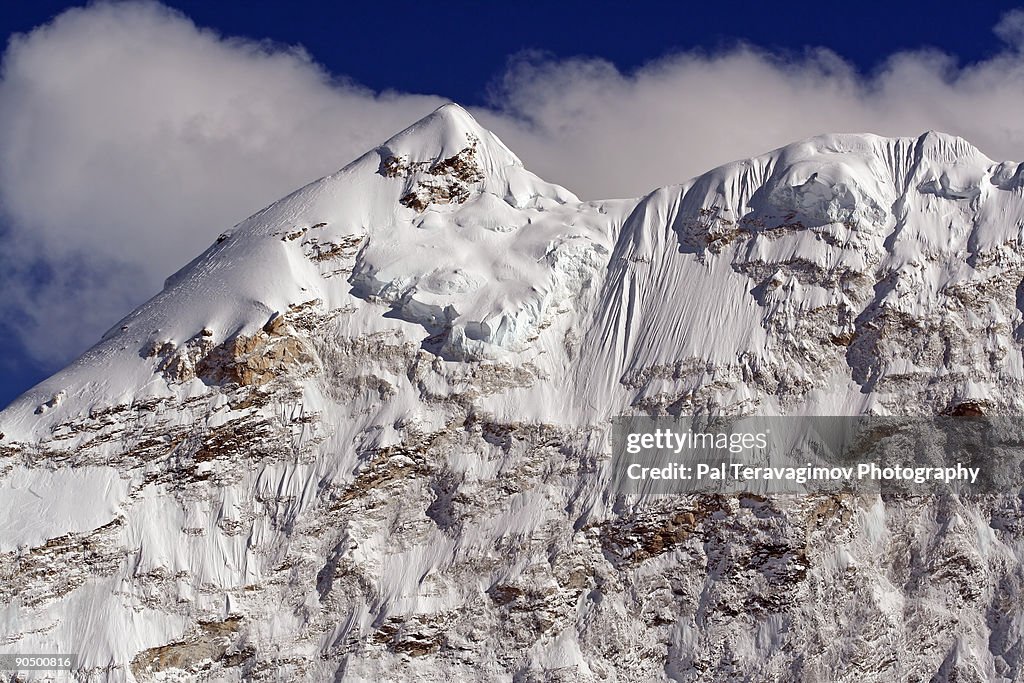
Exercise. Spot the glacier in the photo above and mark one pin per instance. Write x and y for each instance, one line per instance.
(365, 435)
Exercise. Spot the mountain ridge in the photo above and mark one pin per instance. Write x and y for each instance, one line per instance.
(447, 132)
(364, 435)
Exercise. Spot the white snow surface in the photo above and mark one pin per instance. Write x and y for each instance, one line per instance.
(450, 287)
(39, 506)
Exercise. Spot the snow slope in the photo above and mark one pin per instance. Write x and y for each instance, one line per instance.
(365, 434)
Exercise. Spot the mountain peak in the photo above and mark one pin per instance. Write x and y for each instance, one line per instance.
(453, 114)
(446, 133)
(440, 228)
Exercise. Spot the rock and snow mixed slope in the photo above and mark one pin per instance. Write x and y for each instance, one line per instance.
(364, 435)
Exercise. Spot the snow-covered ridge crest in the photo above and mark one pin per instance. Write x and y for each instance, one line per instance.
(442, 227)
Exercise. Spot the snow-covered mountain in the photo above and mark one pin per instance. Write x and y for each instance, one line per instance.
(364, 436)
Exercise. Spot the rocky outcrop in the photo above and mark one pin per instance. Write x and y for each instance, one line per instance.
(253, 360)
(447, 181)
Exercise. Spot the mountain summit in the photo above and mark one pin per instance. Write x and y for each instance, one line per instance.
(364, 435)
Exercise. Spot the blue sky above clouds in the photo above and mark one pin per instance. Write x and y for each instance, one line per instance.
(131, 134)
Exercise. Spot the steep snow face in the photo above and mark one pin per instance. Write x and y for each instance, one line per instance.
(364, 436)
(843, 274)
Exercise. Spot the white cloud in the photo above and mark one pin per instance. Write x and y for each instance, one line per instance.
(129, 138)
(1011, 28)
(612, 134)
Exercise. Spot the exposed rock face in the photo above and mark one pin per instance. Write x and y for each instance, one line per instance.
(252, 361)
(451, 182)
(364, 437)
(206, 647)
(246, 360)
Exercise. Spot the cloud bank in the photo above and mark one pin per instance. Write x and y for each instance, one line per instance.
(129, 138)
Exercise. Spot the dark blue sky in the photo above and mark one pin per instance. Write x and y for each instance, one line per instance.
(458, 48)
(455, 48)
